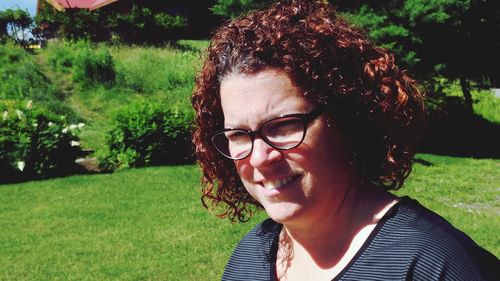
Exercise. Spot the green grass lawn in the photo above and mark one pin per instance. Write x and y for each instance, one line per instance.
(149, 224)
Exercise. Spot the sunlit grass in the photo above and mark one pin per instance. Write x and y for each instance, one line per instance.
(463, 190)
(487, 105)
(149, 224)
(136, 224)
(156, 70)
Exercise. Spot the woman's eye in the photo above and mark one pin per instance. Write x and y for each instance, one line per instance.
(236, 136)
(283, 128)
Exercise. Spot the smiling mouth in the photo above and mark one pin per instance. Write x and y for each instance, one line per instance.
(275, 184)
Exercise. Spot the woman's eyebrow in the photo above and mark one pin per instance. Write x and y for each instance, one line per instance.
(246, 127)
(259, 124)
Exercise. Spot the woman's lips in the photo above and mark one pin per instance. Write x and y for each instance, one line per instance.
(279, 183)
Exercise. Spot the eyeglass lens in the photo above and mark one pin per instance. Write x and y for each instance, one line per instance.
(281, 133)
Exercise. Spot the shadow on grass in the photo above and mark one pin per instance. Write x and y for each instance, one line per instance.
(184, 47)
(422, 162)
(452, 130)
(10, 176)
(82, 166)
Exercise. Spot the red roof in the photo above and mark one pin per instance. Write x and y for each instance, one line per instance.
(79, 4)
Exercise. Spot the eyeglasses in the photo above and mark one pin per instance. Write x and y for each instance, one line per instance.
(285, 132)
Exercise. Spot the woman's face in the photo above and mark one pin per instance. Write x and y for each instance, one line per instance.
(300, 185)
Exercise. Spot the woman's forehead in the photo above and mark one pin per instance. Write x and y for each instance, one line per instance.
(251, 99)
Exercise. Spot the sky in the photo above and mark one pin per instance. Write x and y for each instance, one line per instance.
(29, 5)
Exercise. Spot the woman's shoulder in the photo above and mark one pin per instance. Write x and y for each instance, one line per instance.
(427, 228)
(429, 247)
(255, 254)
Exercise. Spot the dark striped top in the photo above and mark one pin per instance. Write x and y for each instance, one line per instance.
(409, 243)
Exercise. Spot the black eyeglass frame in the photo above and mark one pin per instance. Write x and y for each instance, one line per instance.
(306, 118)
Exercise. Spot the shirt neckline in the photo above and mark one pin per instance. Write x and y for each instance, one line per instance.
(389, 214)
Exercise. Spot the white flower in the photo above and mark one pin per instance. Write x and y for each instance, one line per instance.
(35, 125)
(81, 125)
(73, 126)
(19, 114)
(5, 115)
(29, 105)
(51, 124)
(74, 143)
(20, 165)
(65, 130)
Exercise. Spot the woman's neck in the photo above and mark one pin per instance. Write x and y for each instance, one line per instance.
(328, 245)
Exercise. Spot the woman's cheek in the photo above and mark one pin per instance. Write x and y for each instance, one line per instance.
(244, 171)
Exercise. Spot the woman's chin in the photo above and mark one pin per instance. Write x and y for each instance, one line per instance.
(284, 212)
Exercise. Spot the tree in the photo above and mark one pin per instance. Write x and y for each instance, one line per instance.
(142, 24)
(15, 24)
(450, 38)
(234, 8)
(456, 39)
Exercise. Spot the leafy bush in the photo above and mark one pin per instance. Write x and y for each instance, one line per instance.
(91, 66)
(35, 143)
(60, 56)
(145, 135)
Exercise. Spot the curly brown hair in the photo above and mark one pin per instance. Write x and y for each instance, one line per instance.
(376, 107)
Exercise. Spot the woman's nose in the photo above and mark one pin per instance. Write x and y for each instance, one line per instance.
(263, 154)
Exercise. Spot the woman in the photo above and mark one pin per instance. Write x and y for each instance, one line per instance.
(299, 114)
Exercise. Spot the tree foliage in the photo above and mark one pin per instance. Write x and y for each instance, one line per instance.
(456, 39)
(233, 8)
(15, 25)
(145, 25)
(142, 24)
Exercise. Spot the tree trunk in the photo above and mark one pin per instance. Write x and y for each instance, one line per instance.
(466, 91)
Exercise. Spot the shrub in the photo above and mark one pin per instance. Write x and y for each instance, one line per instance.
(145, 135)
(91, 66)
(60, 56)
(35, 143)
